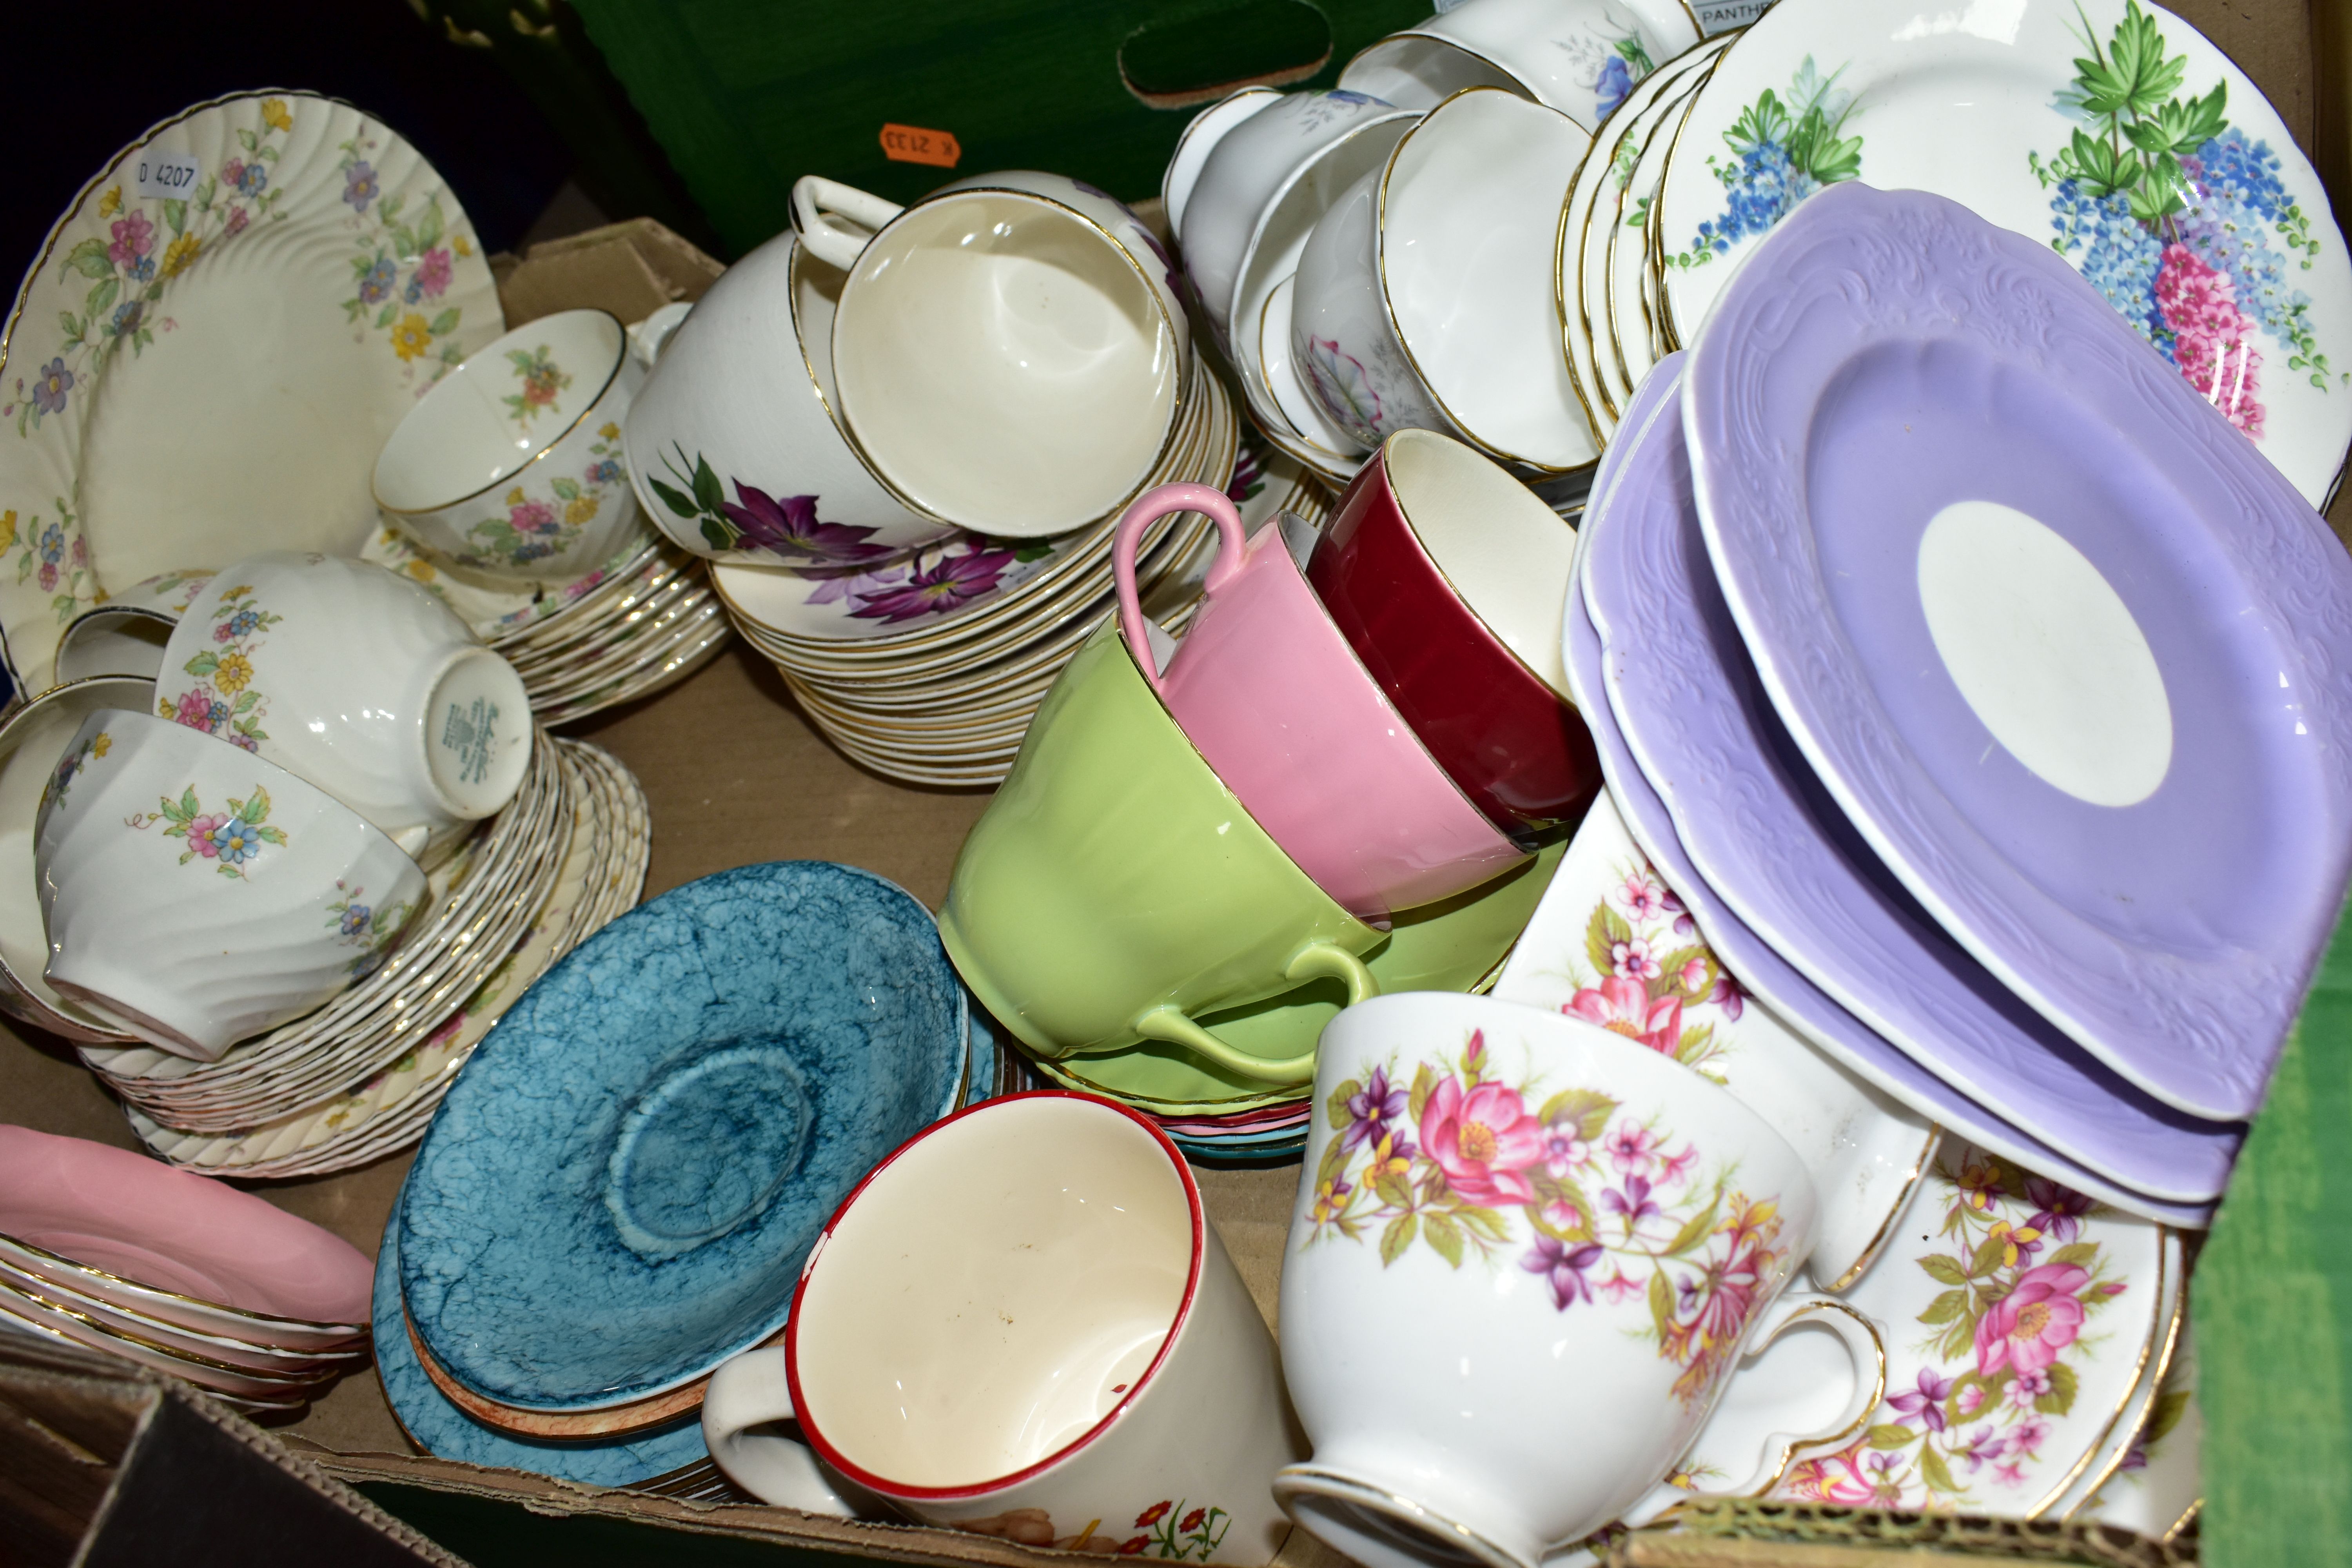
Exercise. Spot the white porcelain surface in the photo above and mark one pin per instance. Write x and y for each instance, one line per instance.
(743, 386)
(204, 895)
(1096, 1375)
(1239, 180)
(1580, 1230)
(111, 641)
(1386, 330)
(1578, 57)
(31, 742)
(1610, 944)
(360, 681)
(1200, 137)
(510, 466)
(1009, 353)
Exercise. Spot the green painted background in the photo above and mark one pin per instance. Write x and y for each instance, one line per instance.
(748, 95)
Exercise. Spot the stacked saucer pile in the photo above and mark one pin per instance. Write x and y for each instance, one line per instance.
(1352, 776)
(1917, 737)
(183, 1275)
(929, 670)
(563, 1272)
(1701, 159)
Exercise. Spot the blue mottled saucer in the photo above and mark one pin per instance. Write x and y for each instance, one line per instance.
(620, 1189)
(439, 1427)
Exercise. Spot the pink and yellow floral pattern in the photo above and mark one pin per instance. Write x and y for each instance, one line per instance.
(224, 701)
(1652, 979)
(1603, 1204)
(542, 521)
(1967, 1422)
(231, 838)
(370, 928)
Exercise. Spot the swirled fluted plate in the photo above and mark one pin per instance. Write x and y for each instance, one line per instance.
(620, 1189)
(2072, 658)
(1783, 891)
(2110, 132)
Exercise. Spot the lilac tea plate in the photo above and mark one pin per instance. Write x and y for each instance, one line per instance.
(1782, 891)
(2073, 657)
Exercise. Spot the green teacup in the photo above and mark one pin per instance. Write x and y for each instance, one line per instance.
(1116, 890)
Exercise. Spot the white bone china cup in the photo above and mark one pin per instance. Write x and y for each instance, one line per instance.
(1580, 57)
(510, 466)
(1520, 1269)
(202, 895)
(1010, 353)
(1023, 1325)
(359, 681)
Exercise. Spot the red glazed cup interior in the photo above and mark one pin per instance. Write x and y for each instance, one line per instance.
(1448, 578)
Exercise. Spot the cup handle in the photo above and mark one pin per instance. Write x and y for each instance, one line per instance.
(1148, 509)
(749, 1391)
(818, 202)
(1315, 959)
(1869, 1356)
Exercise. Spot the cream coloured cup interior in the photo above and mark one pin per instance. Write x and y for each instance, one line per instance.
(466, 436)
(1505, 552)
(1005, 364)
(1476, 193)
(995, 1291)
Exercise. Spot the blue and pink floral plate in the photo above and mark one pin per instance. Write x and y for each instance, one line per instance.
(2109, 132)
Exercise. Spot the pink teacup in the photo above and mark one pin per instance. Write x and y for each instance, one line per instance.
(1270, 693)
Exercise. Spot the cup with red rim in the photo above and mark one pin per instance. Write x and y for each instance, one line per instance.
(1448, 578)
(1023, 1325)
(1270, 693)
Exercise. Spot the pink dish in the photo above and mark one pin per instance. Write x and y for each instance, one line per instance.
(172, 1233)
(1270, 693)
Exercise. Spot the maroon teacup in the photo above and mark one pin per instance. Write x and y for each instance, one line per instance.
(1448, 577)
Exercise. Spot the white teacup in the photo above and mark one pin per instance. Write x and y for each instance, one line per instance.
(1238, 181)
(1384, 330)
(1008, 353)
(732, 443)
(1519, 1271)
(359, 681)
(1580, 57)
(511, 463)
(1199, 139)
(202, 895)
(1024, 1326)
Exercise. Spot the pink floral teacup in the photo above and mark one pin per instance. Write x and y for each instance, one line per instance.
(1526, 1256)
(1023, 1325)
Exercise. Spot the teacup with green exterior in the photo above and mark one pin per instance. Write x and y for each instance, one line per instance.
(1116, 890)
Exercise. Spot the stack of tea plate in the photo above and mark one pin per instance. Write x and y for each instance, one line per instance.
(360, 1077)
(1219, 1118)
(643, 620)
(190, 1278)
(929, 669)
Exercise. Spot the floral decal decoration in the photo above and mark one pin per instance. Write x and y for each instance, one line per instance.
(2171, 211)
(786, 527)
(1605, 1206)
(231, 838)
(536, 527)
(1608, 60)
(224, 701)
(400, 268)
(541, 380)
(1168, 1529)
(1344, 387)
(1998, 1364)
(53, 555)
(371, 928)
(71, 765)
(1782, 151)
(1651, 975)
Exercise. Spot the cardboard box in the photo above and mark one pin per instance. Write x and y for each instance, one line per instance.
(735, 775)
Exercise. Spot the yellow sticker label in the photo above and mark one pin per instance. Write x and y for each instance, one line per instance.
(913, 144)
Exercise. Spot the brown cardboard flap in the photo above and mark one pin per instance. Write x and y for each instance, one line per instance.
(631, 268)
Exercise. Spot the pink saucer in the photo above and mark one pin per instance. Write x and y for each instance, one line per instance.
(171, 1231)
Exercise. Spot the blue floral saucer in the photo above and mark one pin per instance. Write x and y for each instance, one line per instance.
(620, 1189)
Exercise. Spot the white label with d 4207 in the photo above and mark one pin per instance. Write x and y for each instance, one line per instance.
(168, 175)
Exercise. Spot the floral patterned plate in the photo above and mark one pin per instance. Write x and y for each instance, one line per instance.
(1614, 258)
(1612, 944)
(2156, 1488)
(206, 364)
(2018, 1318)
(2110, 131)
(1631, 477)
